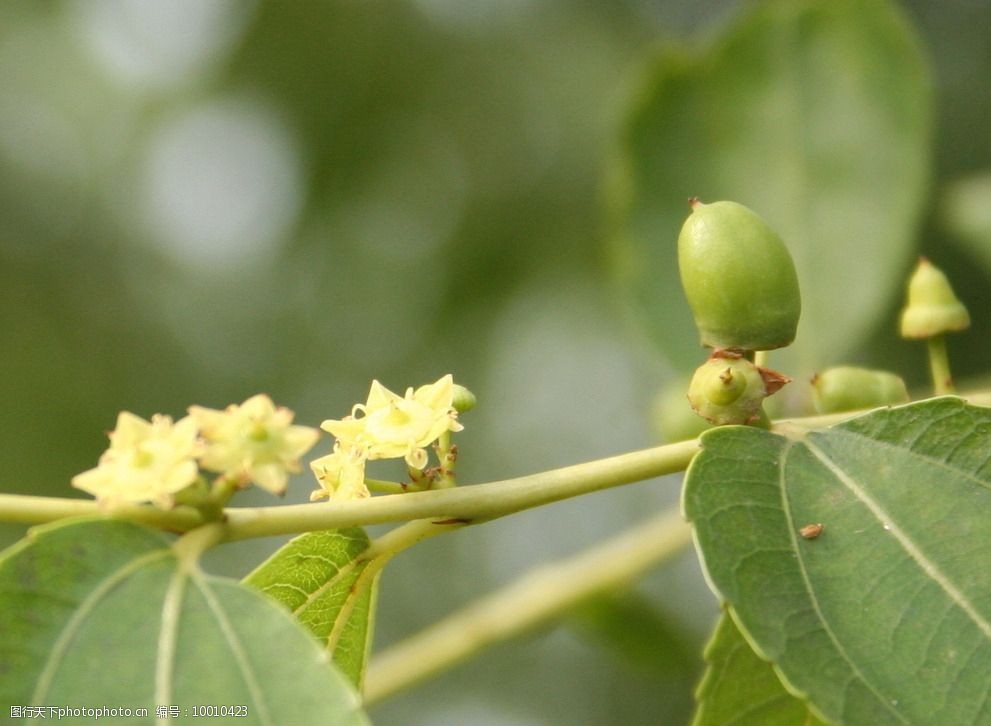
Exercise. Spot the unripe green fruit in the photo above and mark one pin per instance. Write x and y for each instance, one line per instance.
(738, 277)
(932, 307)
(847, 389)
(463, 400)
(726, 387)
(727, 391)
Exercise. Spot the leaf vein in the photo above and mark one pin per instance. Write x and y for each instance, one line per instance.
(927, 566)
(841, 651)
(330, 582)
(85, 609)
(168, 637)
(240, 656)
(970, 476)
(347, 607)
(285, 586)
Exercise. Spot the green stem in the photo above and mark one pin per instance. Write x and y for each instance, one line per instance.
(939, 366)
(389, 487)
(24, 509)
(381, 550)
(418, 480)
(446, 458)
(223, 489)
(537, 597)
(388, 545)
(470, 503)
(194, 543)
(221, 492)
(476, 503)
(467, 504)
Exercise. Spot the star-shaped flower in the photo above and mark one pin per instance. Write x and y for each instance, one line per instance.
(146, 462)
(341, 474)
(388, 426)
(253, 442)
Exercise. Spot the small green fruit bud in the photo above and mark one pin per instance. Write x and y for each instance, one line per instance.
(730, 390)
(738, 277)
(463, 400)
(932, 308)
(847, 389)
(724, 388)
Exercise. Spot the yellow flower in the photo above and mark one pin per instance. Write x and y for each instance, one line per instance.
(146, 462)
(389, 426)
(253, 442)
(341, 474)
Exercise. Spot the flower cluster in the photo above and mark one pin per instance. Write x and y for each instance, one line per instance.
(146, 461)
(160, 461)
(253, 442)
(153, 461)
(386, 426)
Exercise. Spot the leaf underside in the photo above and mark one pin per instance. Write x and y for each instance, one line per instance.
(886, 616)
(100, 613)
(320, 577)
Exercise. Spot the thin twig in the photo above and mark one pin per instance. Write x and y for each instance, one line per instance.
(537, 597)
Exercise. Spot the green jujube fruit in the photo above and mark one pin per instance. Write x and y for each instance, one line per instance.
(846, 388)
(739, 278)
(727, 391)
(932, 307)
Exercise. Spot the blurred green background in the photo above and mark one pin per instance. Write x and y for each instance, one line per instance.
(202, 200)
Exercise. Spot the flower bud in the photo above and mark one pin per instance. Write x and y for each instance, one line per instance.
(730, 390)
(846, 388)
(738, 277)
(463, 399)
(932, 308)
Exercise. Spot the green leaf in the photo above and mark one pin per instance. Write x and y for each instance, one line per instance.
(885, 617)
(319, 577)
(104, 613)
(815, 114)
(740, 688)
